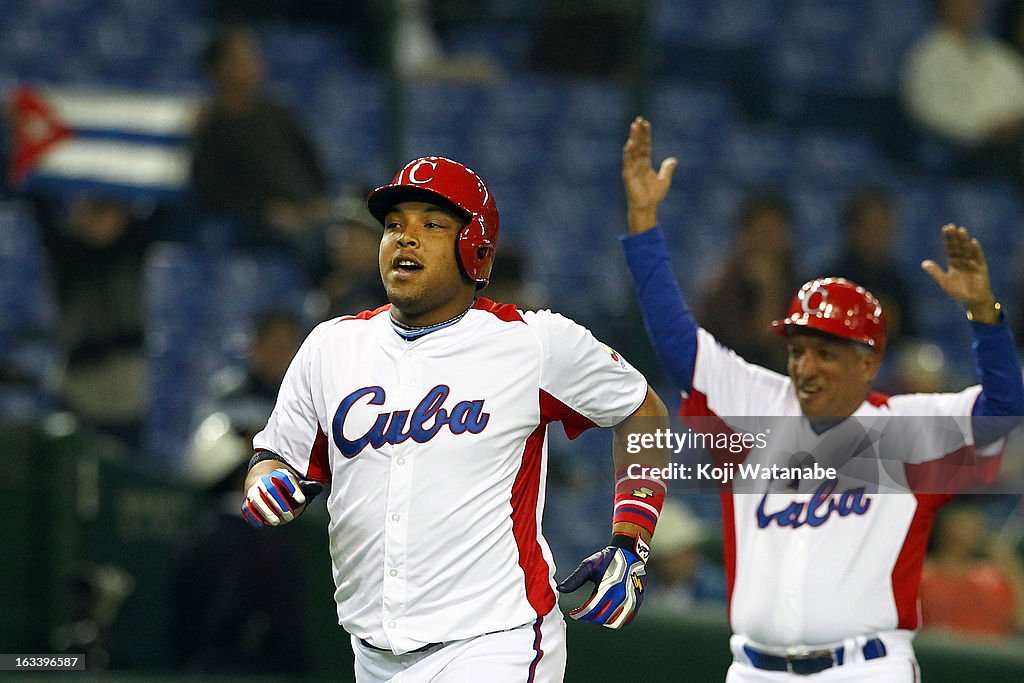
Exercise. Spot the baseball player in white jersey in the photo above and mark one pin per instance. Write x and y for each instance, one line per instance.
(427, 418)
(823, 575)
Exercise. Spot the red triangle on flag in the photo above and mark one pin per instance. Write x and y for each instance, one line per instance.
(36, 131)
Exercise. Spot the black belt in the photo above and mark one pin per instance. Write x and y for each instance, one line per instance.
(810, 662)
(382, 649)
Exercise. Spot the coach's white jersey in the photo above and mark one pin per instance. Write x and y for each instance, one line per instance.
(436, 451)
(812, 563)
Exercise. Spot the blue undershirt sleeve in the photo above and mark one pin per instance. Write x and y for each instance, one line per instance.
(670, 326)
(1002, 388)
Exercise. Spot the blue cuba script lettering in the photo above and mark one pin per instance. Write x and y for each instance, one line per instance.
(816, 511)
(420, 425)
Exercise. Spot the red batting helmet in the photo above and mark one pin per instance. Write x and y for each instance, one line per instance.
(442, 181)
(836, 306)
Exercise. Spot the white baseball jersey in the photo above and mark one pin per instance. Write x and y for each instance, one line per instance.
(436, 451)
(807, 566)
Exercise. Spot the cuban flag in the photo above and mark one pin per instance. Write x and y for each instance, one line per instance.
(128, 144)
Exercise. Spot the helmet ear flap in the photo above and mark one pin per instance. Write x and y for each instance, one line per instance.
(485, 259)
(475, 252)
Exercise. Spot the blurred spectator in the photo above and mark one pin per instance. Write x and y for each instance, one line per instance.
(95, 246)
(919, 368)
(869, 226)
(91, 601)
(352, 281)
(248, 399)
(231, 582)
(681, 576)
(416, 43)
(1010, 25)
(1017, 299)
(606, 35)
(968, 89)
(972, 583)
(509, 284)
(252, 159)
(755, 284)
(418, 51)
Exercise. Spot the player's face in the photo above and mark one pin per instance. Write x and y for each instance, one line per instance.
(418, 266)
(831, 377)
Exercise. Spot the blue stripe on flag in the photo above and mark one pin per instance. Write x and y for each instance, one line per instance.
(129, 136)
(59, 185)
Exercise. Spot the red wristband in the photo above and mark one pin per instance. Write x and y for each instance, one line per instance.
(638, 499)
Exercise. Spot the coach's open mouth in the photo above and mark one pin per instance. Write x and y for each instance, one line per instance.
(805, 391)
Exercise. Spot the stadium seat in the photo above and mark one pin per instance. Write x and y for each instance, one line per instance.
(523, 105)
(26, 296)
(993, 213)
(693, 109)
(506, 43)
(31, 359)
(799, 64)
(594, 107)
(436, 118)
(759, 154)
(692, 121)
(738, 23)
(683, 21)
(434, 106)
(576, 521)
(200, 307)
(816, 205)
(842, 159)
(511, 156)
(514, 201)
(297, 50)
(588, 157)
(453, 143)
(991, 209)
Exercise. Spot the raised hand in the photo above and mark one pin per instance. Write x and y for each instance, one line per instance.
(966, 279)
(645, 187)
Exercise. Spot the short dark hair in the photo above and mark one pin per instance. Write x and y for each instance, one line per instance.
(214, 51)
(861, 199)
(272, 317)
(763, 200)
(860, 347)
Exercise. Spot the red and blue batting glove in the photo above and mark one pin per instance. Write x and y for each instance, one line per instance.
(619, 579)
(277, 498)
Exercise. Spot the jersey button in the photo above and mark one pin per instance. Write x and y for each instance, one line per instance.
(392, 624)
(401, 461)
(395, 518)
(393, 572)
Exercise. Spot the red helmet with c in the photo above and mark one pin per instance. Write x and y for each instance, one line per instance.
(439, 180)
(838, 307)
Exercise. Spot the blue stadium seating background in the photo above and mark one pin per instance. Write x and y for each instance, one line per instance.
(792, 94)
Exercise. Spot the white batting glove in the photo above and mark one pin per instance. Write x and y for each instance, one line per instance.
(277, 498)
